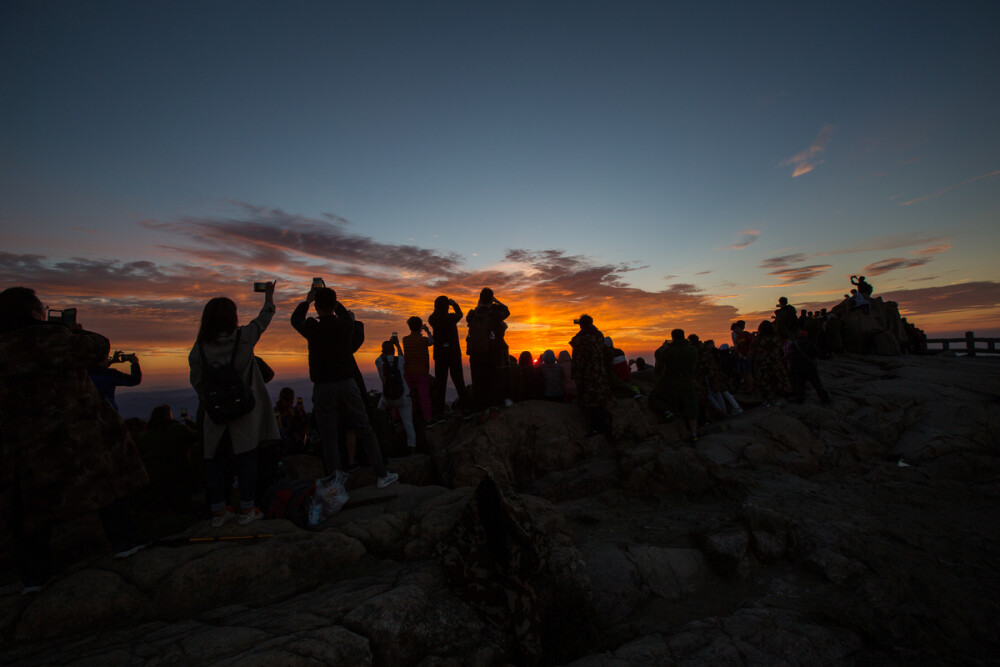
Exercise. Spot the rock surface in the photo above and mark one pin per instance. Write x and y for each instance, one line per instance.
(860, 532)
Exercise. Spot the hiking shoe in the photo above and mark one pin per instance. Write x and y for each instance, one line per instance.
(219, 519)
(249, 517)
(352, 467)
(466, 416)
(434, 422)
(390, 478)
(737, 411)
(131, 551)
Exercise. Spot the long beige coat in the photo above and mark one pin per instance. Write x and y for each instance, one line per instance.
(257, 426)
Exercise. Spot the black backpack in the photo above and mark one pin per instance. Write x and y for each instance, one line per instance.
(225, 395)
(478, 339)
(392, 382)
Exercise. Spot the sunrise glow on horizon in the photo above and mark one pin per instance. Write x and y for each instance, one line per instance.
(655, 165)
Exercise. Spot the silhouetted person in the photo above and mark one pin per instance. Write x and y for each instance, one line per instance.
(219, 335)
(447, 355)
(592, 370)
(416, 351)
(389, 362)
(66, 451)
(107, 379)
(487, 350)
(802, 356)
(863, 285)
(331, 369)
(785, 320)
(552, 377)
(675, 389)
(770, 376)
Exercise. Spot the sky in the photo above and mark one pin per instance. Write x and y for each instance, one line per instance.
(654, 164)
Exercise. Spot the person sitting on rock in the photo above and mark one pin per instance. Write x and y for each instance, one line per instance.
(859, 302)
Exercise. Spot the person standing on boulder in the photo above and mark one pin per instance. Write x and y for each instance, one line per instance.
(675, 389)
(331, 369)
(802, 356)
(447, 356)
(592, 372)
(487, 351)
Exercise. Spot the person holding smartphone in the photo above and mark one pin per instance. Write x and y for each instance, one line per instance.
(107, 379)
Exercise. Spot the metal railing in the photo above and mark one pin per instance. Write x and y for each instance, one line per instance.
(970, 341)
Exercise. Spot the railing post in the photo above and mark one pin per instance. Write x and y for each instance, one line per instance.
(970, 344)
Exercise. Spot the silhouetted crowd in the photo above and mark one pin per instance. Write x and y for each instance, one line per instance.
(67, 452)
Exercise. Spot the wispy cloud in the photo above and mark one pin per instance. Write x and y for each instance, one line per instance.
(890, 242)
(747, 238)
(807, 160)
(950, 188)
(784, 268)
(891, 264)
(155, 306)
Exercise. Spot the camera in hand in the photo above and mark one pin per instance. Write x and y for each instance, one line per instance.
(318, 282)
(66, 315)
(260, 287)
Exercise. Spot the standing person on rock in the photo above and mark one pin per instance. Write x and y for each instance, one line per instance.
(447, 356)
(487, 351)
(66, 451)
(769, 372)
(802, 356)
(675, 389)
(592, 372)
(222, 342)
(416, 351)
(331, 369)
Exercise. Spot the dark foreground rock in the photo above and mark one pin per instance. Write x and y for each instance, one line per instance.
(862, 532)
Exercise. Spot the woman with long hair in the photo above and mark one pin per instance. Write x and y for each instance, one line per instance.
(218, 336)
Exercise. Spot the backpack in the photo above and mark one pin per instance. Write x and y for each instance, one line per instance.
(478, 339)
(225, 395)
(392, 382)
(289, 498)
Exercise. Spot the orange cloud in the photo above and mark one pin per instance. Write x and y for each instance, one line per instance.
(807, 160)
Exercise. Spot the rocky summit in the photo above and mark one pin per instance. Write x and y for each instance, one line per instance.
(864, 531)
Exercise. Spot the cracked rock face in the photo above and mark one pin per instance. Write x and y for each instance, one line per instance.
(788, 535)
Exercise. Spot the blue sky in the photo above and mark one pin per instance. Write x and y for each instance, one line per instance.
(745, 150)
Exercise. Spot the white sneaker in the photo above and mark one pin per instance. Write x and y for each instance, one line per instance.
(390, 478)
(253, 515)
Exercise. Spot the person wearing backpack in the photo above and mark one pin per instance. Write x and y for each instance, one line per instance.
(234, 396)
(487, 350)
(395, 391)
